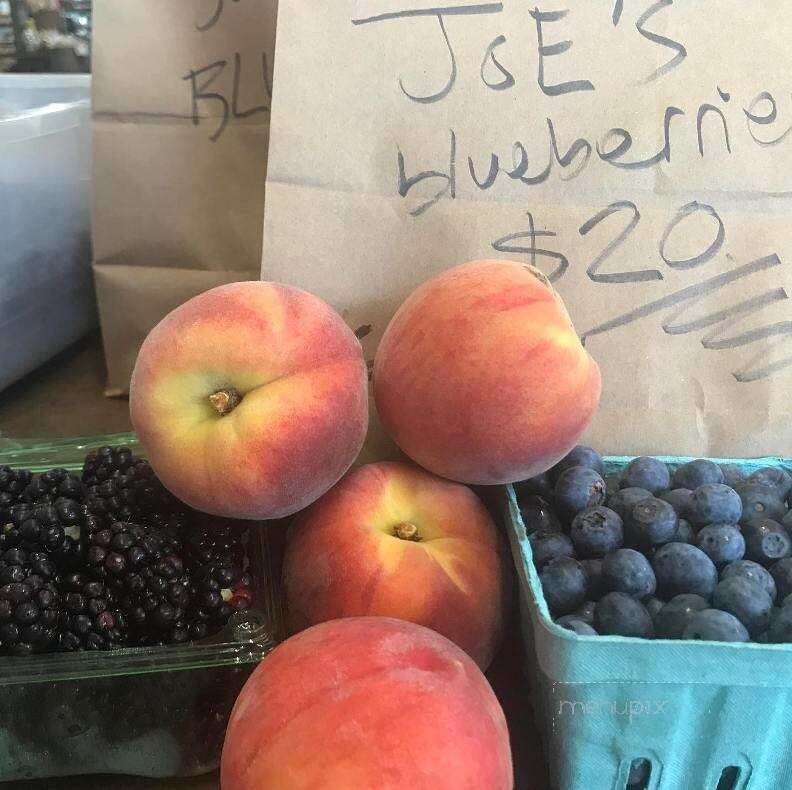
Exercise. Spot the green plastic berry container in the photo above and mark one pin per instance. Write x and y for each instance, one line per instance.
(704, 715)
(154, 712)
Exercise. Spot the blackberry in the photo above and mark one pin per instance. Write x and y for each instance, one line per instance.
(214, 552)
(53, 528)
(49, 486)
(143, 568)
(89, 618)
(105, 463)
(29, 603)
(133, 493)
(12, 486)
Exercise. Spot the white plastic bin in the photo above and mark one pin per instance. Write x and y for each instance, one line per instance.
(46, 287)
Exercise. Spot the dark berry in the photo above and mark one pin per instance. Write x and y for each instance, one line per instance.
(682, 568)
(652, 522)
(578, 488)
(648, 473)
(780, 626)
(749, 569)
(596, 531)
(585, 612)
(628, 571)
(548, 546)
(696, 473)
(722, 543)
(733, 475)
(580, 456)
(714, 503)
(766, 541)
(672, 619)
(623, 501)
(781, 572)
(564, 585)
(595, 587)
(746, 600)
(621, 615)
(541, 486)
(538, 515)
(715, 625)
(759, 501)
(774, 477)
(679, 499)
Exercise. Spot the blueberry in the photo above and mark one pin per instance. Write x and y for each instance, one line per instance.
(564, 585)
(760, 501)
(653, 605)
(580, 456)
(733, 476)
(786, 521)
(722, 543)
(781, 626)
(679, 499)
(766, 541)
(535, 486)
(652, 522)
(538, 515)
(628, 571)
(684, 532)
(548, 546)
(585, 612)
(596, 531)
(640, 770)
(578, 488)
(682, 568)
(715, 625)
(774, 477)
(749, 569)
(714, 503)
(781, 572)
(575, 624)
(787, 601)
(671, 621)
(621, 615)
(648, 473)
(696, 473)
(622, 501)
(747, 600)
(595, 586)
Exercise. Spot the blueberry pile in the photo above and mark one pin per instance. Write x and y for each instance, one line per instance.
(109, 558)
(698, 552)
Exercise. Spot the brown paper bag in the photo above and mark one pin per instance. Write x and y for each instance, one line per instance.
(181, 107)
(640, 154)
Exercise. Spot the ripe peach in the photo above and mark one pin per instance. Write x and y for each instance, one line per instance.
(480, 376)
(363, 703)
(250, 400)
(391, 539)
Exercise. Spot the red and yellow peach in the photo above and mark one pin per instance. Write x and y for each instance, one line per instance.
(391, 539)
(480, 376)
(250, 400)
(367, 703)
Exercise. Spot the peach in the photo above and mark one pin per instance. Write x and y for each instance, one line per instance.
(480, 376)
(250, 400)
(393, 540)
(366, 703)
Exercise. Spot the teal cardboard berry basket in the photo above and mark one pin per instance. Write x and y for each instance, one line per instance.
(146, 711)
(705, 715)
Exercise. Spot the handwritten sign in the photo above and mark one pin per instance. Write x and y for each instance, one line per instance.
(181, 105)
(638, 153)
